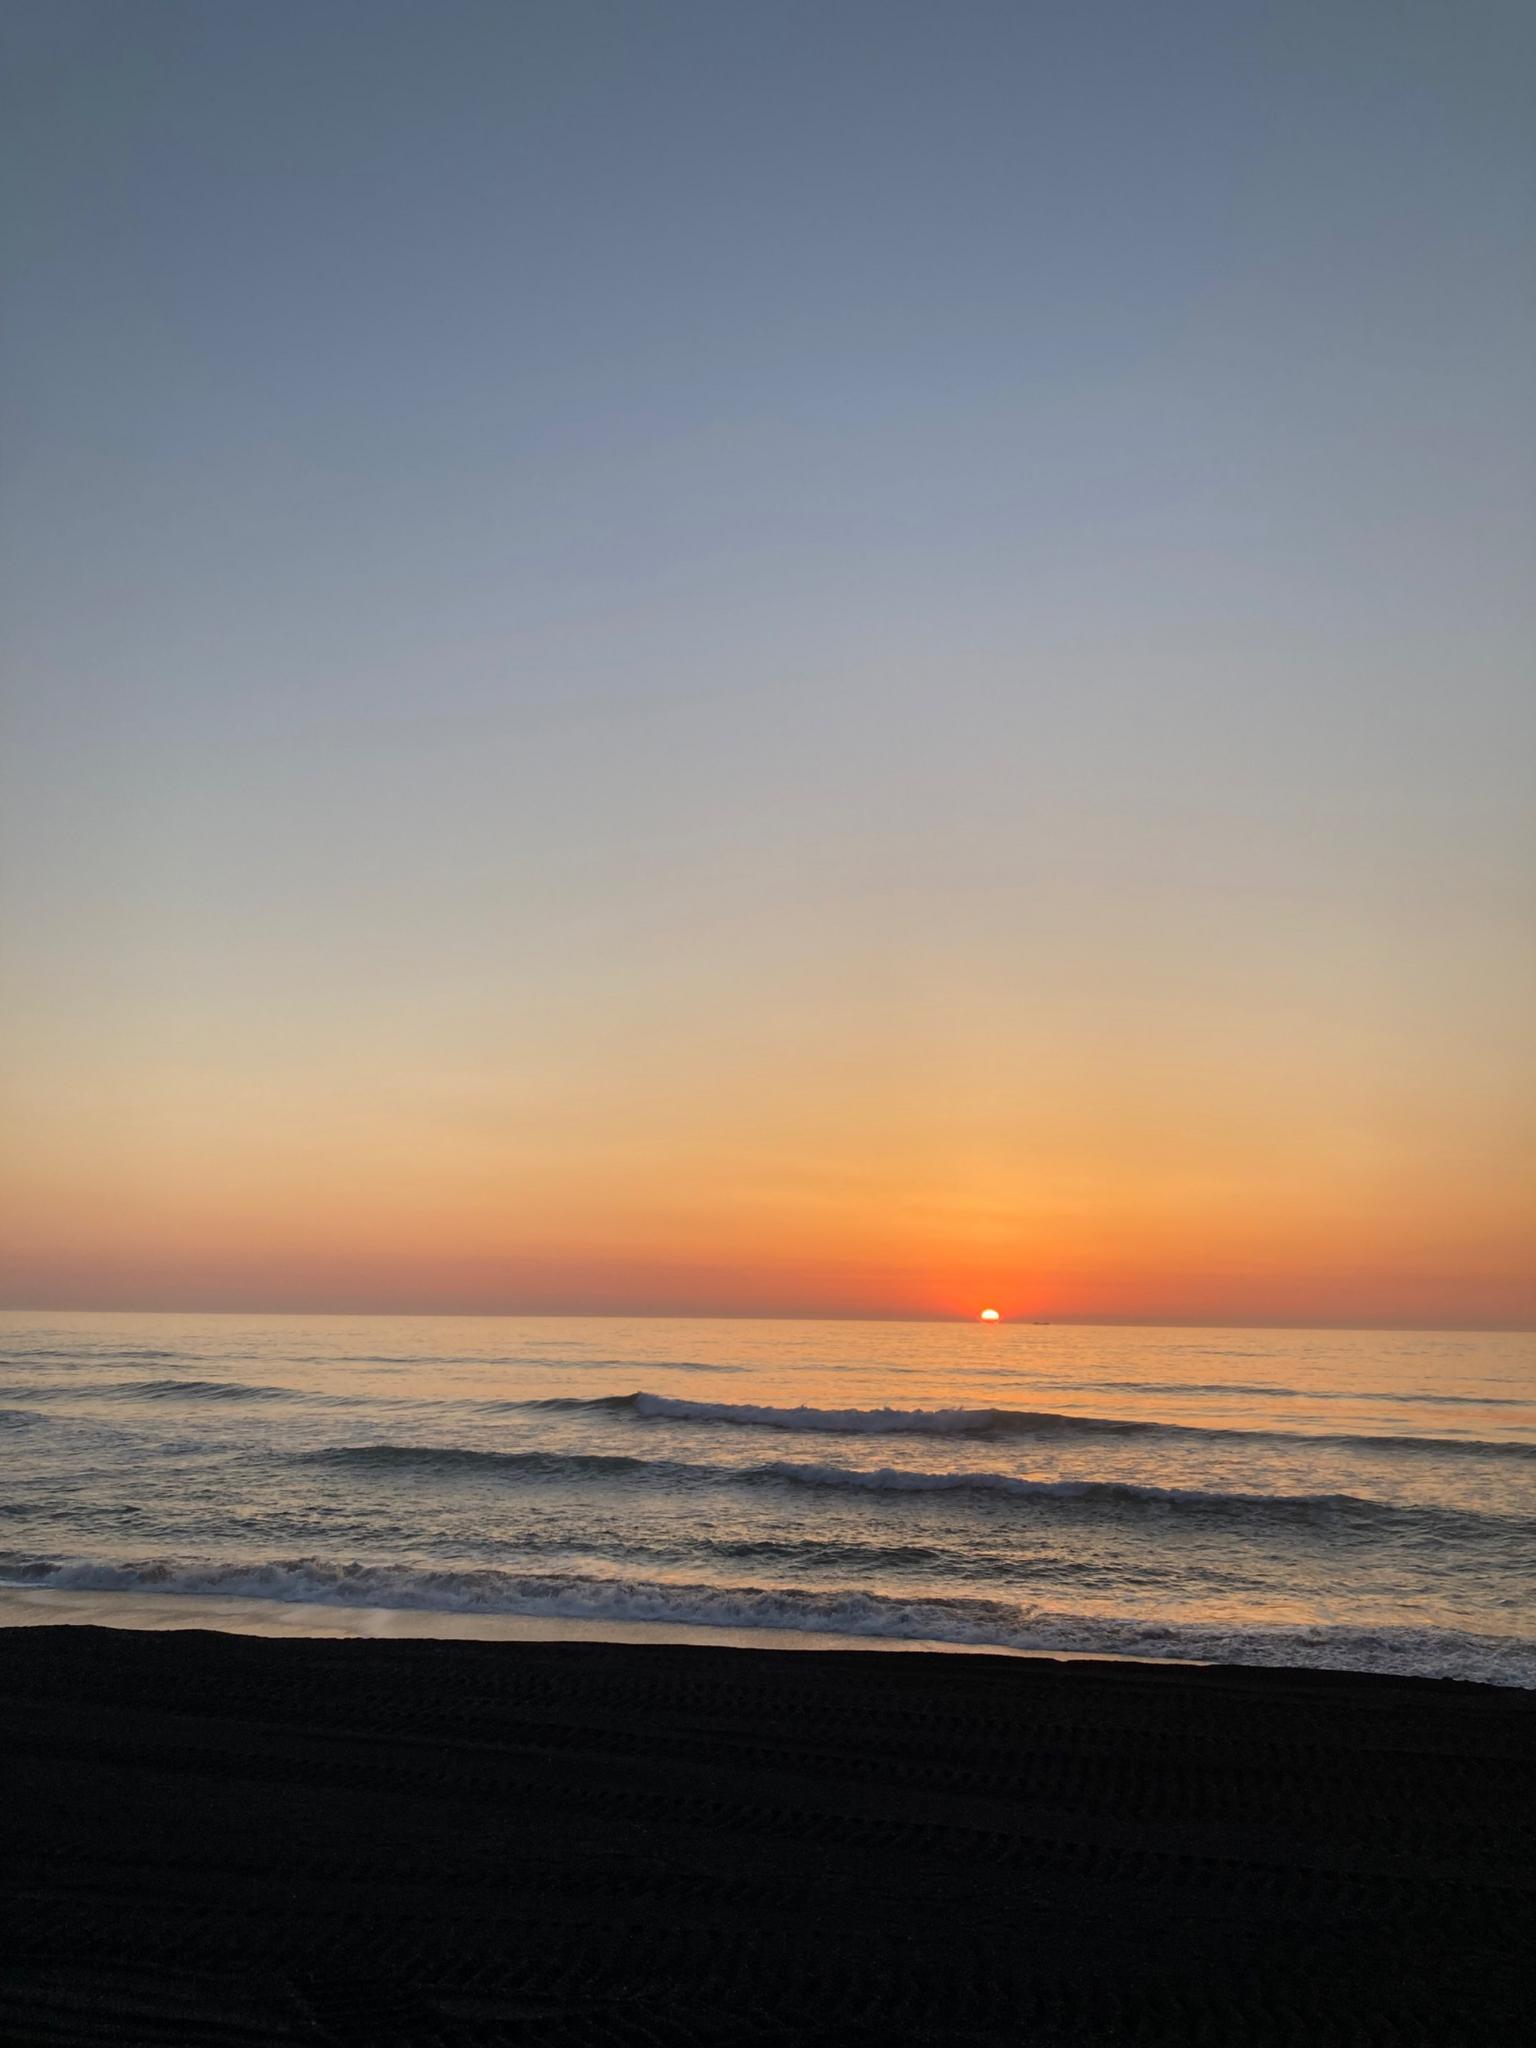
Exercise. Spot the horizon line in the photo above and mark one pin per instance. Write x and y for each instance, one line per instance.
(1068, 1320)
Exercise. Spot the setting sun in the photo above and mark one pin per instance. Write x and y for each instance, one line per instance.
(990, 1315)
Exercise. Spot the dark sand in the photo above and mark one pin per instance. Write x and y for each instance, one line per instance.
(225, 1839)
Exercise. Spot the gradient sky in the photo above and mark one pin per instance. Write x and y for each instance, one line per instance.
(832, 658)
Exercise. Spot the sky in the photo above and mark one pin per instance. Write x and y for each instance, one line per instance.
(856, 658)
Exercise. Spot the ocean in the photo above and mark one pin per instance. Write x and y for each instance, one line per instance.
(1361, 1500)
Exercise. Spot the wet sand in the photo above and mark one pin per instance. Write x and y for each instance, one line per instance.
(224, 1839)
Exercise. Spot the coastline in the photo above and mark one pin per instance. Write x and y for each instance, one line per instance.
(226, 1837)
(751, 1618)
(245, 1615)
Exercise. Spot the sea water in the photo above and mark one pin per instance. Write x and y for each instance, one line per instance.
(1363, 1500)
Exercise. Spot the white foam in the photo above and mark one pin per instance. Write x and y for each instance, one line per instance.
(960, 1621)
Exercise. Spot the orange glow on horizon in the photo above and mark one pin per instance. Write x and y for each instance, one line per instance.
(672, 1170)
(990, 1315)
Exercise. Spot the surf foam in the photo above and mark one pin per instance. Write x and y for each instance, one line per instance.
(1403, 1651)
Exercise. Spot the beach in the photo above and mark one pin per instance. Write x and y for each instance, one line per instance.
(222, 1838)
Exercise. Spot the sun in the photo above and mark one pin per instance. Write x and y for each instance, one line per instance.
(990, 1315)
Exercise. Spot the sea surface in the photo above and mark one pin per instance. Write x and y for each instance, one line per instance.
(1362, 1500)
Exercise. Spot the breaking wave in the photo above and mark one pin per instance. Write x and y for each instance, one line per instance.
(959, 1621)
(989, 1423)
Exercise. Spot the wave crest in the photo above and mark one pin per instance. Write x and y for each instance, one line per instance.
(154, 1390)
(446, 1461)
(992, 1423)
(451, 1458)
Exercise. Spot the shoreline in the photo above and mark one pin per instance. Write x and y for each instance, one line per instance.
(394, 1841)
(1345, 1649)
(248, 1615)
